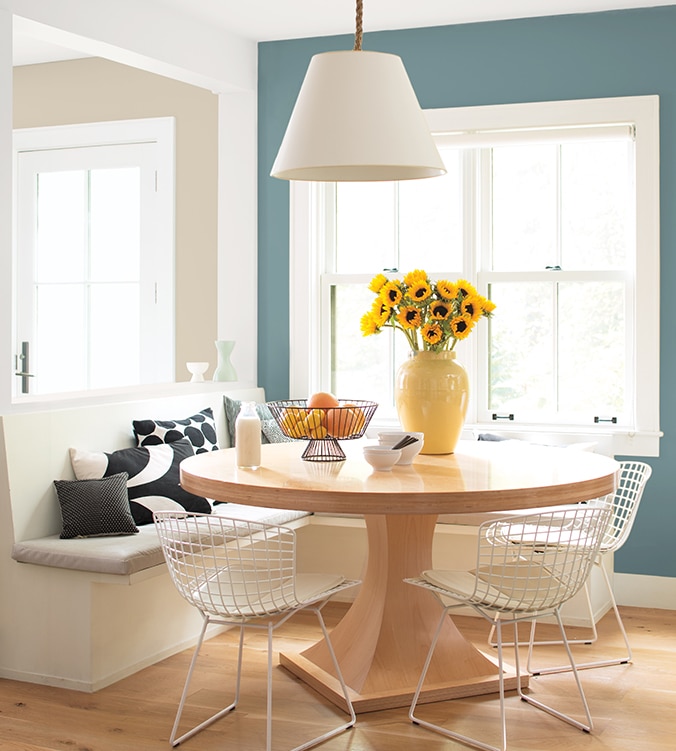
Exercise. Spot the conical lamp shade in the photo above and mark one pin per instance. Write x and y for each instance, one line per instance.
(357, 118)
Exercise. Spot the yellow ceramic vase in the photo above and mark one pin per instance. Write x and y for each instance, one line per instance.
(431, 393)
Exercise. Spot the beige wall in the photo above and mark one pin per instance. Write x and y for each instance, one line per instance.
(96, 90)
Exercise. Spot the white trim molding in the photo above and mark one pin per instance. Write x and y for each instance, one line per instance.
(639, 591)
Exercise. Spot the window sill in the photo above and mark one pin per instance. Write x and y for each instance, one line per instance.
(609, 442)
(35, 403)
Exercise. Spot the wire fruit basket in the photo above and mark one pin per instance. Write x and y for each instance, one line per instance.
(323, 426)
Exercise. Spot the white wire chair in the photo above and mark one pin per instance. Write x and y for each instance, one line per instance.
(625, 503)
(242, 573)
(516, 580)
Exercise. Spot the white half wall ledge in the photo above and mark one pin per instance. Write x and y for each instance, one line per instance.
(640, 591)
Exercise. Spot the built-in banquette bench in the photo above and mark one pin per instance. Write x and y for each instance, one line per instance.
(83, 613)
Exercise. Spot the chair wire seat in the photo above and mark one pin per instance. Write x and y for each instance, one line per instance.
(243, 574)
(515, 580)
(633, 478)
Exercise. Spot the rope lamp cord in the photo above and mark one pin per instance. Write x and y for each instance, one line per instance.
(359, 30)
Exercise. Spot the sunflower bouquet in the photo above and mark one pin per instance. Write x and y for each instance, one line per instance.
(432, 315)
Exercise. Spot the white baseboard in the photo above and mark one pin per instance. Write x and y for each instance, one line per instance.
(639, 591)
(91, 687)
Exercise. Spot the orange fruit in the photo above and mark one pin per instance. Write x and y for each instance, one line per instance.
(344, 421)
(337, 422)
(321, 400)
(358, 420)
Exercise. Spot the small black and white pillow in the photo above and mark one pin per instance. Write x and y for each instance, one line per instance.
(199, 429)
(95, 508)
(153, 471)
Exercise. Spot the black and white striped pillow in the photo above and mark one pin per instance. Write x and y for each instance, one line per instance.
(153, 471)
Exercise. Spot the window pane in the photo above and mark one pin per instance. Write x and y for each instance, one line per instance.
(595, 204)
(115, 208)
(59, 359)
(592, 336)
(365, 227)
(430, 219)
(115, 326)
(521, 351)
(61, 226)
(524, 207)
(590, 359)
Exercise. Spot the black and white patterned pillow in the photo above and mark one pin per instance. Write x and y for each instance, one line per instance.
(95, 508)
(153, 471)
(199, 429)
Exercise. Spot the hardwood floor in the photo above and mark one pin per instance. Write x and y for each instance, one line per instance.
(632, 705)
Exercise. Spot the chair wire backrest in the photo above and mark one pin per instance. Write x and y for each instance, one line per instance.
(535, 562)
(229, 567)
(625, 501)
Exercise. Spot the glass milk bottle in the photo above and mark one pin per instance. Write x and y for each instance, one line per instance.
(248, 437)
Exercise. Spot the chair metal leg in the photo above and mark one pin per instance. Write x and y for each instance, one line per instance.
(449, 733)
(546, 708)
(176, 741)
(525, 697)
(268, 720)
(597, 663)
(353, 717)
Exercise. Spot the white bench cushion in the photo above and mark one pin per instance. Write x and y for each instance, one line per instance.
(130, 553)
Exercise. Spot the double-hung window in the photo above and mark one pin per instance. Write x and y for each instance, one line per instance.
(551, 211)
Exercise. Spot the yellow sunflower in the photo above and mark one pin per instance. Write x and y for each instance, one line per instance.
(415, 277)
(380, 311)
(419, 292)
(471, 306)
(391, 293)
(446, 290)
(467, 289)
(440, 310)
(488, 306)
(409, 317)
(461, 326)
(432, 333)
(368, 325)
(377, 283)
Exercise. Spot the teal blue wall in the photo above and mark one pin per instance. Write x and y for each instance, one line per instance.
(623, 53)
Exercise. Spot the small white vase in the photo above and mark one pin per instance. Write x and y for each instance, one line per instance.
(197, 369)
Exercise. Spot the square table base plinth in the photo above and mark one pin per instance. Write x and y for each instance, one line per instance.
(325, 684)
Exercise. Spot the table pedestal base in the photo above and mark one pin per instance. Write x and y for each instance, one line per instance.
(382, 641)
(325, 684)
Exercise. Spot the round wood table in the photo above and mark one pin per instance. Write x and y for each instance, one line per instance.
(382, 640)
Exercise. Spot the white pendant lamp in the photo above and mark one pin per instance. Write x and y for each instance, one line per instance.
(357, 118)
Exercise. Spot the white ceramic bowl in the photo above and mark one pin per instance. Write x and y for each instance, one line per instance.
(382, 458)
(408, 453)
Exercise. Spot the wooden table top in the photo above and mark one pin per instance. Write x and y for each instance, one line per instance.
(480, 476)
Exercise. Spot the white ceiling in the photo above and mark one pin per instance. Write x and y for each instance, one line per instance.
(265, 20)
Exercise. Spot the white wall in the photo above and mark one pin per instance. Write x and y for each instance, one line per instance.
(138, 33)
(6, 359)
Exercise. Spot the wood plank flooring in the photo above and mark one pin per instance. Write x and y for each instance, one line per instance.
(632, 705)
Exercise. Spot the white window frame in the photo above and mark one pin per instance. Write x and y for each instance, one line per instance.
(158, 240)
(640, 112)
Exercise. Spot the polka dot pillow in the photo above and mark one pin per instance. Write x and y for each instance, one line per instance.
(199, 429)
